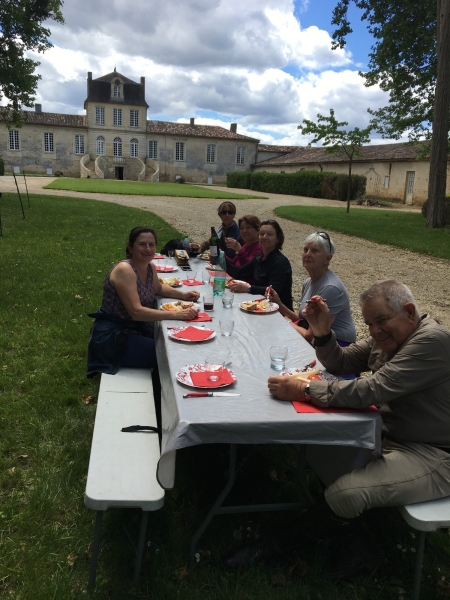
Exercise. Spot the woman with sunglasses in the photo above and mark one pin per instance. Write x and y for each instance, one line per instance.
(227, 229)
(318, 250)
(269, 268)
(249, 227)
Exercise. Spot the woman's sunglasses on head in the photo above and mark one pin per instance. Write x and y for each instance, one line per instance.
(325, 236)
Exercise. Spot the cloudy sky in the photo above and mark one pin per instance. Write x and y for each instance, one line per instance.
(264, 64)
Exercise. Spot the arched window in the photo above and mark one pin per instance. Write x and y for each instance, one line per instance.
(101, 146)
(134, 148)
(117, 145)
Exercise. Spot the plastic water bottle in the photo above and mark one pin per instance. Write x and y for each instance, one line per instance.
(186, 245)
(220, 275)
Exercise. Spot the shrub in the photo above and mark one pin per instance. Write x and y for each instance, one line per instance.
(2, 167)
(446, 210)
(358, 188)
(180, 180)
(239, 180)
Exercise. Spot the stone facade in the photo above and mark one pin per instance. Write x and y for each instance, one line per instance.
(114, 139)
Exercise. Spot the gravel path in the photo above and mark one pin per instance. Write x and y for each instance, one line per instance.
(357, 262)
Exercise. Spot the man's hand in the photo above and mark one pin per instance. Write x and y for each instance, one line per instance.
(287, 388)
(318, 316)
(191, 296)
(240, 286)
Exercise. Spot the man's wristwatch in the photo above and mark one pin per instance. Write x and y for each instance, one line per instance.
(307, 393)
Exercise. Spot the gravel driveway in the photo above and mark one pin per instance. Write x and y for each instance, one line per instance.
(357, 262)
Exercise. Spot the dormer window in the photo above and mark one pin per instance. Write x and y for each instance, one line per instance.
(117, 89)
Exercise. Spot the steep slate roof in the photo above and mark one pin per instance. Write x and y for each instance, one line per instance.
(373, 152)
(186, 129)
(99, 90)
(54, 119)
(271, 148)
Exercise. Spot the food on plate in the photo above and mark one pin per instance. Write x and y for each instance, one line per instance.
(256, 305)
(204, 256)
(173, 281)
(306, 375)
(179, 305)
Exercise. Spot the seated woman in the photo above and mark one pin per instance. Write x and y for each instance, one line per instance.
(318, 250)
(121, 335)
(228, 229)
(249, 229)
(270, 268)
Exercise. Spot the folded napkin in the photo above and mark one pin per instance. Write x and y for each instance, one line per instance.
(194, 334)
(307, 407)
(164, 269)
(202, 316)
(200, 379)
(195, 282)
(158, 256)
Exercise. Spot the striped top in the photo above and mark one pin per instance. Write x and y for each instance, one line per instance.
(111, 301)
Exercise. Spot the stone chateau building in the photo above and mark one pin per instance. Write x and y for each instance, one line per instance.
(114, 140)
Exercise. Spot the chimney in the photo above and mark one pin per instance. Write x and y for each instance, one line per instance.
(233, 127)
(143, 84)
(192, 121)
(38, 108)
(89, 75)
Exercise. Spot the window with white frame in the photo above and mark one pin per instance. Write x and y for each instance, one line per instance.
(240, 155)
(117, 147)
(134, 148)
(179, 151)
(13, 139)
(153, 149)
(134, 118)
(117, 116)
(116, 91)
(211, 153)
(101, 150)
(79, 144)
(48, 142)
(99, 115)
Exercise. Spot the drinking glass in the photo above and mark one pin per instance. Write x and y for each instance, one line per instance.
(191, 276)
(226, 327)
(278, 355)
(206, 277)
(208, 302)
(170, 253)
(227, 298)
(214, 368)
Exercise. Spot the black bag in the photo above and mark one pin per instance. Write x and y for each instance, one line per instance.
(171, 245)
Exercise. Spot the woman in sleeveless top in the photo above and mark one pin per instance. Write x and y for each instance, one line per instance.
(122, 335)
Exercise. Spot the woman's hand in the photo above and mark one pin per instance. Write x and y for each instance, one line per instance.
(318, 316)
(239, 286)
(186, 314)
(191, 296)
(287, 388)
(232, 243)
(273, 295)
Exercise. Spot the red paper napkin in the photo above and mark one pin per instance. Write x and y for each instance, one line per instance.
(202, 316)
(164, 269)
(307, 407)
(195, 282)
(158, 256)
(194, 334)
(200, 379)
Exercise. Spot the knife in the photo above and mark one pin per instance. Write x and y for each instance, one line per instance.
(208, 394)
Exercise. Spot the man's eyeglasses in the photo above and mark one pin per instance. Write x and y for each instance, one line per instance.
(325, 236)
(227, 212)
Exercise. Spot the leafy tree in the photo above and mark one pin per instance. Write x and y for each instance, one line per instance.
(337, 141)
(409, 60)
(21, 30)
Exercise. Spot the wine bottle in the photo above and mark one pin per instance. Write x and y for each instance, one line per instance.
(214, 247)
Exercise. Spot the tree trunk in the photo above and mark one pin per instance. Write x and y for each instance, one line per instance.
(349, 185)
(439, 144)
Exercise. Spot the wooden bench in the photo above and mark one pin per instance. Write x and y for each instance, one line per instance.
(425, 516)
(122, 466)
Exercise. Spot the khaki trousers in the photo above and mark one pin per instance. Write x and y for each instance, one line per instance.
(405, 473)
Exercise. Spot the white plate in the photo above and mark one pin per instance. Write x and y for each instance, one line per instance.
(165, 268)
(324, 376)
(272, 309)
(196, 306)
(183, 376)
(165, 280)
(173, 330)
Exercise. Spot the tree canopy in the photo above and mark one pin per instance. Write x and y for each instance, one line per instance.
(21, 29)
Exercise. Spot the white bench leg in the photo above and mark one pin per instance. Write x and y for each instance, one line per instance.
(140, 548)
(419, 562)
(95, 550)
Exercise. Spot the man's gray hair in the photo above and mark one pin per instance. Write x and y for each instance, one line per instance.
(323, 240)
(396, 293)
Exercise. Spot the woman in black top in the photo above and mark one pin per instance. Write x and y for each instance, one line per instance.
(270, 267)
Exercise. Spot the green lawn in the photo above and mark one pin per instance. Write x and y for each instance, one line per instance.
(396, 228)
(53, 266)
(144, 188)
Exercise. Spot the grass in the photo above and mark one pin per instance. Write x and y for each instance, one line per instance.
(53, 267)
(143, 188)
(396, 228)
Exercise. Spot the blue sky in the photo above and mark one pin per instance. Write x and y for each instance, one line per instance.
(263, 64)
